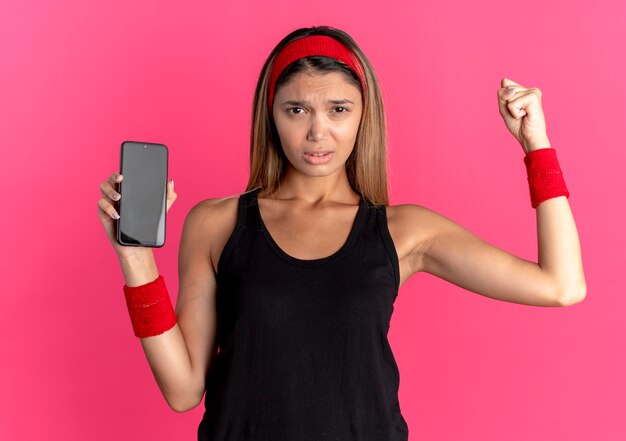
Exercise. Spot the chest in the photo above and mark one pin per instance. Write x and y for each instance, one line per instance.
(316, 234)
(308, 234)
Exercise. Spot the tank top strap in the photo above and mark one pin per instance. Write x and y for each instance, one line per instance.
(243, 204)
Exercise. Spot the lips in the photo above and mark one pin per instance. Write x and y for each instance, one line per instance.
(318, 159)
(317, 152)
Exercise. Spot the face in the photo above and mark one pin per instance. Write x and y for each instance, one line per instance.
(317, 113)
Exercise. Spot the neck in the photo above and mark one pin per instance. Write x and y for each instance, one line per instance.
(316, 190)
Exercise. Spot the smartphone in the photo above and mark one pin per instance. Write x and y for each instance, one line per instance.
(142, 207)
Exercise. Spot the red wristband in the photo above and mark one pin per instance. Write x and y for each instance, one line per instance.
(545, 178)
(150, 308)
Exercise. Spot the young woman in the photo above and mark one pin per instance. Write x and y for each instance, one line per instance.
(295, 279)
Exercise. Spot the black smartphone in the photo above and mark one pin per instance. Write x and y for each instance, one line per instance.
(143, 205)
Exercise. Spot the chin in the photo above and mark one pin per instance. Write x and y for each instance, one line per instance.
(312, 170)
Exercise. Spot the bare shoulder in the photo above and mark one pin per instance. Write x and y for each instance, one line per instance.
(212, 221)
(412, 227)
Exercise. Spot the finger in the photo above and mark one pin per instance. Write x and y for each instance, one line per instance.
(171, 197)
(109, 192)
(506, 82)
(115, 179)
(170, 188)
(509, 89)
(516, 110)
(536, 91)
(518, 106)
(507, 94)
(171, 194)
(503, 101)
(107, 208)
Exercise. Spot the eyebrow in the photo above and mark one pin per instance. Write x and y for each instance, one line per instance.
(301, 103)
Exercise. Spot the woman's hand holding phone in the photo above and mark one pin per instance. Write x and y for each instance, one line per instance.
(108, 214)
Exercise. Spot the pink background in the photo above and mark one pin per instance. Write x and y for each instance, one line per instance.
(78, 78)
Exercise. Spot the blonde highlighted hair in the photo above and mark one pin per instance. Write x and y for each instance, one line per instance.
(366, 167)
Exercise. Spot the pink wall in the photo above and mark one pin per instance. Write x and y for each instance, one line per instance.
(77, 78)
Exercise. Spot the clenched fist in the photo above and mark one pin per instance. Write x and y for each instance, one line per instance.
(520, 107)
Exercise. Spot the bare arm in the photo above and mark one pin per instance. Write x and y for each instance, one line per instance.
(455, 254)
(179, 358)
(559, 249)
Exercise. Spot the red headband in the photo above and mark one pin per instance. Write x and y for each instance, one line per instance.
(309, 46)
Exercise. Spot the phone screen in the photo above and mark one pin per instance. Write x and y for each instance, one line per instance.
(143, 206)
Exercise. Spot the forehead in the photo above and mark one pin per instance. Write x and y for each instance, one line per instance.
(316, 83)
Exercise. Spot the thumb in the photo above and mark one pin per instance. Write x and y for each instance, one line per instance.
(507, 82)
(170, 189)
(505, 96)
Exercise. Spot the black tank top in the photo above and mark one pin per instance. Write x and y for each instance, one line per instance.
(303, 350)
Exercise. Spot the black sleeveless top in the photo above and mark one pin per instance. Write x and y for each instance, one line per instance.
(303, 350)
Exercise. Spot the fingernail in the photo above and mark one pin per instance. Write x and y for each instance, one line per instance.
(117, 216)
(507, 91)
(172, 183)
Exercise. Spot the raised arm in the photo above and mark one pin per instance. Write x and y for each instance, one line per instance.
(455, 254)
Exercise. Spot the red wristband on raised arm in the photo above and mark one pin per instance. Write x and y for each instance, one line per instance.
(545, 178)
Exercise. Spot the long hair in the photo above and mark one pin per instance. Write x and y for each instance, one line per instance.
(366, 167)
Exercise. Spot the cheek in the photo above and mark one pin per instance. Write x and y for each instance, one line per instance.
(282, 130)
(291, 132)
(346, 132)
(289, 136)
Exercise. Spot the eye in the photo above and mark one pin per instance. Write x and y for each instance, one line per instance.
(294, 108)
(343, 108)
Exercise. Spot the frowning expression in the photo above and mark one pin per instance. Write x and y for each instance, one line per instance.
(317, 113)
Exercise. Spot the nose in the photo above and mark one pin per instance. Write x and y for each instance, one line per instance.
(317, 131)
